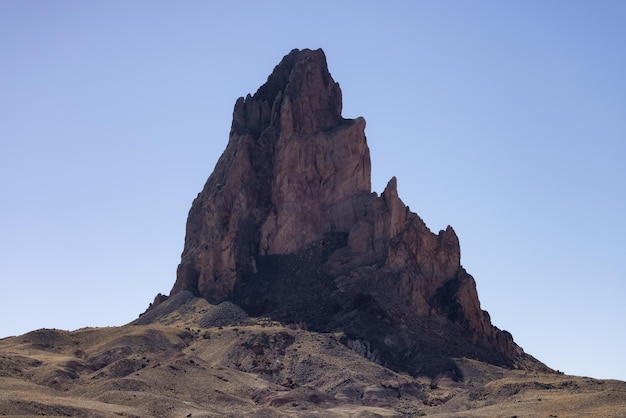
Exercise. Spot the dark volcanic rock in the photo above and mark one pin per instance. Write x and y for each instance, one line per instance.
(287, 227)
(224, 314)
(164, 306)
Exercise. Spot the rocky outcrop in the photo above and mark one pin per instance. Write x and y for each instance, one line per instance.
(293, 170)
(287, 226)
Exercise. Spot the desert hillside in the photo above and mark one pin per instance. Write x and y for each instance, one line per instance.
(300, 292)
(191, 358)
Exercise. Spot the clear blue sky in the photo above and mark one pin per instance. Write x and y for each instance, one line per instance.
(506, 120)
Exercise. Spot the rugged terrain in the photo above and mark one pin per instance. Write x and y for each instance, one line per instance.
(300, 292)
(287, 227)
(190, 358)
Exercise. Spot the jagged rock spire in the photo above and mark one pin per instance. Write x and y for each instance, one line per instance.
(287, 226)
(299, 96)
(291, 172)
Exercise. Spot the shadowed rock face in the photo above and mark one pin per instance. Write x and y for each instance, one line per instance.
(287, 227)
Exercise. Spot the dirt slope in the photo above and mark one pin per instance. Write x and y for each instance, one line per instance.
(172, 367)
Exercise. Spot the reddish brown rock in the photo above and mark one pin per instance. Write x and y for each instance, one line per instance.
(293, 170)
(287, 226)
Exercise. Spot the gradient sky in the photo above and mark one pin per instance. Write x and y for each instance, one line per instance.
(506, 120)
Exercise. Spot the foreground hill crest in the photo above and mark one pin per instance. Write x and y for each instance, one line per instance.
(287, 227)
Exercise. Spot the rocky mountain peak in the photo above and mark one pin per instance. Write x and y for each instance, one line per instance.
(300, 90)
(287, 227)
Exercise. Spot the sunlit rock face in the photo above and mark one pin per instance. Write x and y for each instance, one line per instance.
(287, 226)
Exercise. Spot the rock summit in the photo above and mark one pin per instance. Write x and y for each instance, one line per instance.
(287, 227)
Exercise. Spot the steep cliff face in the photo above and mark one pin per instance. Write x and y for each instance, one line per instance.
(293, 170)
(287, 226)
